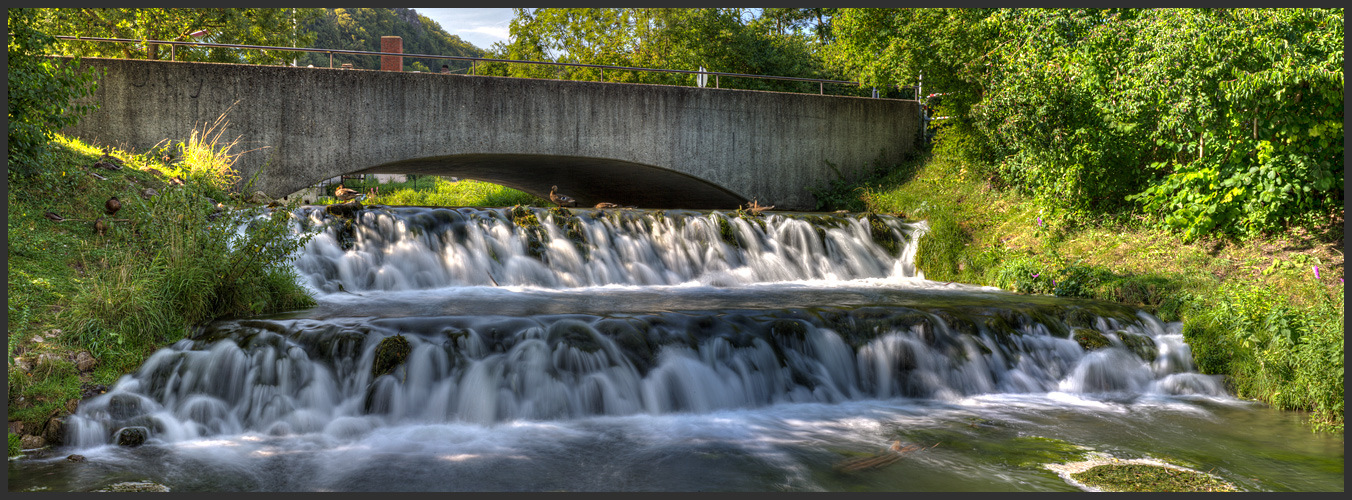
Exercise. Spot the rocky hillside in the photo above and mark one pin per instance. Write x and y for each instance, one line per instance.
(361, 29)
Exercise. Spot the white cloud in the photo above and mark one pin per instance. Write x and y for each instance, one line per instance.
(481, 27)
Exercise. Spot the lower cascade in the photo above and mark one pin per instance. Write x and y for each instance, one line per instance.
(532, 349)
(302, 376)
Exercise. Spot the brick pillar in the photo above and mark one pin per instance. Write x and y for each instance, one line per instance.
(391, 44)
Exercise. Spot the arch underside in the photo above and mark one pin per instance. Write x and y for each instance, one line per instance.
(588, 180)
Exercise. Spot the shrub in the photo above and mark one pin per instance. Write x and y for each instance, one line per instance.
(42, 91)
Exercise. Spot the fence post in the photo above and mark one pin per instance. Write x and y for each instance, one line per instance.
(391, 44)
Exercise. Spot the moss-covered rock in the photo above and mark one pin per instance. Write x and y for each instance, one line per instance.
(132, 437)
(391, 352)
(1146, 477)
(135, 487)
(883, 235)
(1090, 339)
(576, 334)
(1140, 345)
(346, 210)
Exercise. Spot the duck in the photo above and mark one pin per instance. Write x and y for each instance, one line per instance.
(111, 206)
(561, 199)
(55, 217)
(100, 227)
(606, 204)
(106, 161)
(755, 207)
(344, 193)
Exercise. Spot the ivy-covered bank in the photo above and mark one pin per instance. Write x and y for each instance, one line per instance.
(1266, 310)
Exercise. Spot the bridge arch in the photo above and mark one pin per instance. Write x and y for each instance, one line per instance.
(657, 145)
(589, 180)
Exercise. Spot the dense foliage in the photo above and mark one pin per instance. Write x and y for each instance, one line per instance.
(361, 29)
(275, 27)
(42, 92)
(1217, 120)
(722, 40)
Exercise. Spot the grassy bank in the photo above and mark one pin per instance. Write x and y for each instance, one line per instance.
(87, 306)
(1267, 312)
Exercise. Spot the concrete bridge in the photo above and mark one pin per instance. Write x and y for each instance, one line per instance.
(653, 146)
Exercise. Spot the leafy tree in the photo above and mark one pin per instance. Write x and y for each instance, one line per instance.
(1211, 120)
(721, 40)
(43, 92)
(275, 27)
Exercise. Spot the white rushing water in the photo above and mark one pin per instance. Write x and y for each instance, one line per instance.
(635, 351)
(411, 249)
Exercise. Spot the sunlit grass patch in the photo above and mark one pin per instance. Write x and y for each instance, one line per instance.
(439, 192)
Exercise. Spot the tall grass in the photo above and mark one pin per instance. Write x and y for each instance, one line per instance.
(182, 261)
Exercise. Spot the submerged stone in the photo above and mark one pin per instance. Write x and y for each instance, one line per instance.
(132, 437)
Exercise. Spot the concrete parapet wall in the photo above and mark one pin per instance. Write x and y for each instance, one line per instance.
(648, 145)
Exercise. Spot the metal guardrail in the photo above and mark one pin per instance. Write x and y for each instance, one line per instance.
(474, 61)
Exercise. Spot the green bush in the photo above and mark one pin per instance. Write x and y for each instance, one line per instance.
(43, 92)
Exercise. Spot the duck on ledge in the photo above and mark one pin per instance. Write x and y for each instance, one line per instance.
(561, 199)
(345, 194)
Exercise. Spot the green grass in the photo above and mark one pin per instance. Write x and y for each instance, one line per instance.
(438, 192)
(1252, 309)
(161, 265)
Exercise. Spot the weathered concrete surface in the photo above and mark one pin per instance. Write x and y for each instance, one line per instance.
(652, 146)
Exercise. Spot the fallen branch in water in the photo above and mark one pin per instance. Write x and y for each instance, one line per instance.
(883, 459)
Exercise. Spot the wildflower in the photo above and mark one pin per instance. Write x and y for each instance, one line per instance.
(1039, 220)
(1316, 271)
(1035, 275)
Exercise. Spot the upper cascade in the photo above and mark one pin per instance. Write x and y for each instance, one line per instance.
(413, 248)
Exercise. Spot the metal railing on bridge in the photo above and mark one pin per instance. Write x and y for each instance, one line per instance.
(474, 61)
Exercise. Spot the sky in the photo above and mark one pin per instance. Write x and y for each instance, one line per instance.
(481, 27)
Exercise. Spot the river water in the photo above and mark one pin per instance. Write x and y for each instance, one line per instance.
(528, 350)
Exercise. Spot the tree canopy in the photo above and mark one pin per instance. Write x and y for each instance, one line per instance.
(275, 27)
(717, 39)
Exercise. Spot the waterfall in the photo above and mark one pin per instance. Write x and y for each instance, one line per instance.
(484, 316)
(411, 248)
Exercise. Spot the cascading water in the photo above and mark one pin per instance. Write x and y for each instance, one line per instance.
(410, 249)
(532, 349)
